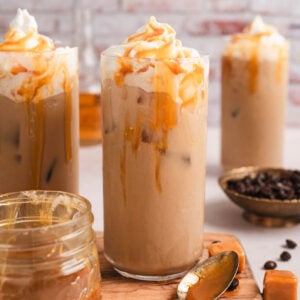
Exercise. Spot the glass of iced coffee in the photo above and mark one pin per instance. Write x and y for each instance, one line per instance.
(154, 94)
(254, 93)
(38, 111)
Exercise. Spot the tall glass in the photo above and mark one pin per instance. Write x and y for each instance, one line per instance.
(39, 123)
(154, 154)
(254, 95)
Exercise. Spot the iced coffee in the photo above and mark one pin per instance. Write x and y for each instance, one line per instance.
(254, 94)
(38, 111)
(154, 96)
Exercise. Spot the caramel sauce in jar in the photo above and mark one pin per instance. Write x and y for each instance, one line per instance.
(47, 249)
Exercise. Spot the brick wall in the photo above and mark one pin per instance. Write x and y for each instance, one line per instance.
(202, 24)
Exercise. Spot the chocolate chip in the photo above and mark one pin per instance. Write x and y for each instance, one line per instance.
(291, 244)
(234, 284)
(285, 256)
(270, 265)
(215, 242)
(284, 186)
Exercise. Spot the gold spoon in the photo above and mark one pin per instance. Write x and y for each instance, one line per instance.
(208, 280)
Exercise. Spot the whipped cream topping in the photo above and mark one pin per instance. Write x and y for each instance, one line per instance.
(156, 40)
(23, 35)
(31, 67)
(155, 49)
(153, 40)
(259, 27)
(258, 36)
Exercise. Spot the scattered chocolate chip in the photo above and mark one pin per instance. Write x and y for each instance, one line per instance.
(270, 265)
(215, 242)
(285, 256)
(50, 171)
(269, 186)
(234, 284)
(291, 244)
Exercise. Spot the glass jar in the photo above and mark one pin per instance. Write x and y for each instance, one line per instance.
(47, 247)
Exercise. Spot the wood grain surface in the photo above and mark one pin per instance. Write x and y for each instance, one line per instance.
(116, 287)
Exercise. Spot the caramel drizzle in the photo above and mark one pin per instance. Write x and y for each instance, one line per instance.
(253, 71)
(253, 63)
(123, 168)
(165, 111)
(12, 42)
(35, 111)
(31, 90)
(37, 128)
(68, 114)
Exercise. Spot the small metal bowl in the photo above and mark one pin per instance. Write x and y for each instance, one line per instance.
(262, 211)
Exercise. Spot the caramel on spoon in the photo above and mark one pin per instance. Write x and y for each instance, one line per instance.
(208, 280)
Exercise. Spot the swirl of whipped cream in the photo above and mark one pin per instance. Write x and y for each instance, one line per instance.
(156, 40)
(154, 52)
(258, 36)
(23, 35)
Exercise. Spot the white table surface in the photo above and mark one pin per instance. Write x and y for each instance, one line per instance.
(221, 215)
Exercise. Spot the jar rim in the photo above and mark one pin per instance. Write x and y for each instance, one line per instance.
(11, 197)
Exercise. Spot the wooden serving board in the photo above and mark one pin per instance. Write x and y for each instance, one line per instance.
(116, 287)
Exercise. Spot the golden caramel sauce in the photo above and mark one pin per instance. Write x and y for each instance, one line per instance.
(253, 70)
(18, 69)
(123, 161)
(166, 67)
(125, 68)
(38, 143)
(214, 278)
(12, 42)
(68, 115)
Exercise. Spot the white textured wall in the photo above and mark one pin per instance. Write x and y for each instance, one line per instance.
(201, 24)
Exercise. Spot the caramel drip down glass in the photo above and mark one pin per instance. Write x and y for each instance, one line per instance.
(39, 120)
